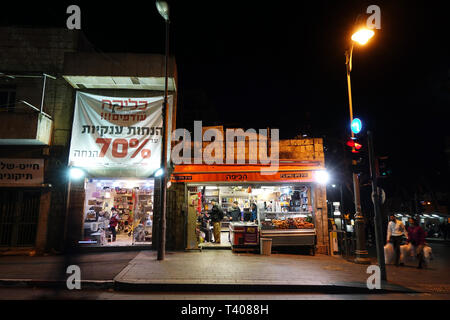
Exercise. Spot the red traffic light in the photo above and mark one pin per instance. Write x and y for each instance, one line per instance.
(355, 145)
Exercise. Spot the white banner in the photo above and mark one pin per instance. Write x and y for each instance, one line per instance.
(21, 172)
(117, 134)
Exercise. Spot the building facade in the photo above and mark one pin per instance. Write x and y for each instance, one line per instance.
(41, 73)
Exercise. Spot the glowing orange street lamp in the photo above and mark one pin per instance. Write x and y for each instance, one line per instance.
(362, 35)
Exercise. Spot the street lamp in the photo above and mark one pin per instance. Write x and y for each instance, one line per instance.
(163, 9)
(361, 36)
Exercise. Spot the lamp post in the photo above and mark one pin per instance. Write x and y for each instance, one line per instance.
(361, 36)
(163, 9)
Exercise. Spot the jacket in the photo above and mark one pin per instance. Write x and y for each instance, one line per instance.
(216, 214)
(416, 235)
(114, 221)
(235, 214)
(254, 215)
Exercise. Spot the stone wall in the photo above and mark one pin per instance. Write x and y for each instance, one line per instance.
(32, 52)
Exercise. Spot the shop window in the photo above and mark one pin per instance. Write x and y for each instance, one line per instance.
(118, 213)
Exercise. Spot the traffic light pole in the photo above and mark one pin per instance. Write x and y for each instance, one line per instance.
(378, 219)
(362, 255)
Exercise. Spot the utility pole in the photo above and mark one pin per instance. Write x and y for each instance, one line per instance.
(378, 220)
(362, 255)
(163, 9)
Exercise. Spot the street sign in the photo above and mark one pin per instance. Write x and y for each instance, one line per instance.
(382, 194)
(356, 126)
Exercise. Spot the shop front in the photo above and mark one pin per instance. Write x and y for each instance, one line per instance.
(288, 207)
(118, 212)
(115, 152)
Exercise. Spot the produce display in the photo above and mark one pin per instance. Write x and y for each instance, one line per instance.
(293, 223)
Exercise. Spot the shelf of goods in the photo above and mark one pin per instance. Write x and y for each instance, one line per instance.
(290, 230)
(244, 234)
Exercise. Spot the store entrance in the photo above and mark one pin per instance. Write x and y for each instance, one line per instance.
(118, 212)
(246, 210)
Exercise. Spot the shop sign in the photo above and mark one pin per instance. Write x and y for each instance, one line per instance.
(21, 172)
(294, 175)
(242, 177)
(117, 133)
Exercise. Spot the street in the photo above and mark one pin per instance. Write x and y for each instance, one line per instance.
(87, 294)
(276, 277)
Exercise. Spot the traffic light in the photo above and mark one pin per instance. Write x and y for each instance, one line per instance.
(354, 144)
(383, 168)
(359, 162)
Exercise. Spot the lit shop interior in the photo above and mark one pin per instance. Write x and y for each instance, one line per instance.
(284, 213)
(133, 202)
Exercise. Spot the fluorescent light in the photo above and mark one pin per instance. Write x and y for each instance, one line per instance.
(159, 172)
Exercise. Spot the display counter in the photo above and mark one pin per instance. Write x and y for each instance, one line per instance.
(244, 234)
(291, 237)
(288, 229)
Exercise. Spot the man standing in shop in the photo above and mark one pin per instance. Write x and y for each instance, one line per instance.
(235, 212)
(216, 218)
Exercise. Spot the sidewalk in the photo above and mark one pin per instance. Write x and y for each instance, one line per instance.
(223, 271)
(97, 269)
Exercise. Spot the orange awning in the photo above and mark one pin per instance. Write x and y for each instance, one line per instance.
(287, 171)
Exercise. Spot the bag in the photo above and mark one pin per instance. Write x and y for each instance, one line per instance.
(389, 253)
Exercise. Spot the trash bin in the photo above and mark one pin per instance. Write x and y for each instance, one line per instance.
(266, 246)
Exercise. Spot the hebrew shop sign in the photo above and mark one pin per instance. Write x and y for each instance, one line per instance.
(21, 172)
(117, 133)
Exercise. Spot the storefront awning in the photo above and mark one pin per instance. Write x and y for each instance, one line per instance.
(114, 82)
(287, 171)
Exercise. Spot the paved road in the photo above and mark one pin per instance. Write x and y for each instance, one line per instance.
(42, 293)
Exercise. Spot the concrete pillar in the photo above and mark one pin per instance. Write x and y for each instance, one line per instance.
(75, 214)
(42, 227)
(321, 219)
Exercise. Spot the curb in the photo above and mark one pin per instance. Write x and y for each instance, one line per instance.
(351, 288)
(204, 287)
(29, 283)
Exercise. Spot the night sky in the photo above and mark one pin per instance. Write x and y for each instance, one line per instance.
(258, 64)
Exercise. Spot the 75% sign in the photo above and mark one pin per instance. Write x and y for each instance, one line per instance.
(120, 147)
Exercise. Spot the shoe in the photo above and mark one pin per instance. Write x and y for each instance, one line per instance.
(402, 264)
